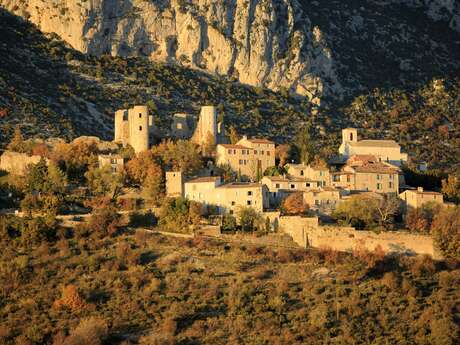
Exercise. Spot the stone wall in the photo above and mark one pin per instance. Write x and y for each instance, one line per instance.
(16, 163)
(307, 232)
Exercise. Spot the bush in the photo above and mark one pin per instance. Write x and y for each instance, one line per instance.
(90, 331)
(445, 230)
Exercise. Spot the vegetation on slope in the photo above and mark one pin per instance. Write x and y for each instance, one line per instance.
(129, 288)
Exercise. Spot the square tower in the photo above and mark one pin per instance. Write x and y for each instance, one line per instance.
(174, 183)
(349, 135)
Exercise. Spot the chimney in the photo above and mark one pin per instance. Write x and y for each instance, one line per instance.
(420, 189)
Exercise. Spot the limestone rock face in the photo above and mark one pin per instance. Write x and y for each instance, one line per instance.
(259, 42)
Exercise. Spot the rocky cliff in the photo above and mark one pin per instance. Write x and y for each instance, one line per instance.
(258, 42)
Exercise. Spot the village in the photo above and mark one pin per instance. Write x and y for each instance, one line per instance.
(238, 183)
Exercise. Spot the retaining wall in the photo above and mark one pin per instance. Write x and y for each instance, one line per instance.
(307, 232)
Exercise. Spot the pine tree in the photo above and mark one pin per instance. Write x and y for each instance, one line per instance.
(17, 143)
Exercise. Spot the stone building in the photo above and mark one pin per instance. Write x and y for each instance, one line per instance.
(384, 150)
(416, 198)
(324, 200)
(249, 157)
(227, 198)
(366, 173)
(174, 184)
(318, 173)
(116, 162)
(279, 187)
(134, 127)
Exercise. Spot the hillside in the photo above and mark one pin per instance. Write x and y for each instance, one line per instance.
(50, 89)
(79, 287)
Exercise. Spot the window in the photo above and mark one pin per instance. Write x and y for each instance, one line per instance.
(231, 211)
(234, 152)
(249, 202)
(233, 203)
(391, 176)
(255, 152)
(321, 173)
(292, 186)
(277, 185)
(140, 115)
(268, 153)
(317, 202)
(348, 178)
(140, 128)
(390, 185)
(229, 152)
(241, 162)
(351, 136)
(262, 152)
(379, 177)
(249, 193)
(179, 126)
(307, 184)
(336, 178)
(113, 161)
(301, 173)
(379, 186)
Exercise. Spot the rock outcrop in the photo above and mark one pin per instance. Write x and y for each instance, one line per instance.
(259, 42)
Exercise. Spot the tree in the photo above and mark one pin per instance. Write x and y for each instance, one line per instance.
(209, 146)
(234, 137)
(57, 178)
(451, 188)
(17, 142)
(368, 212)
(174, 215)
(102, 181)
(182, 155)
(248, 218)
(387, 209)
(445, 230)
(304, 145)
(153, 185)
(275, 171)
(139, 167)
(295, 204)
(420, 219)
(71, 299)
(37, 178)
(283, 153)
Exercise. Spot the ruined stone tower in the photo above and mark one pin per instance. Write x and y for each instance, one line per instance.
(134, 127)
(208, 127)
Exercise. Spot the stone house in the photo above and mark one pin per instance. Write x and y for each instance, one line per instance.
(116, 162)
(366, 173)
(313, 172)
(384, 150)
(324, 200)
(416, 198)
(226, 197)
(279, 187)
(249, 157)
